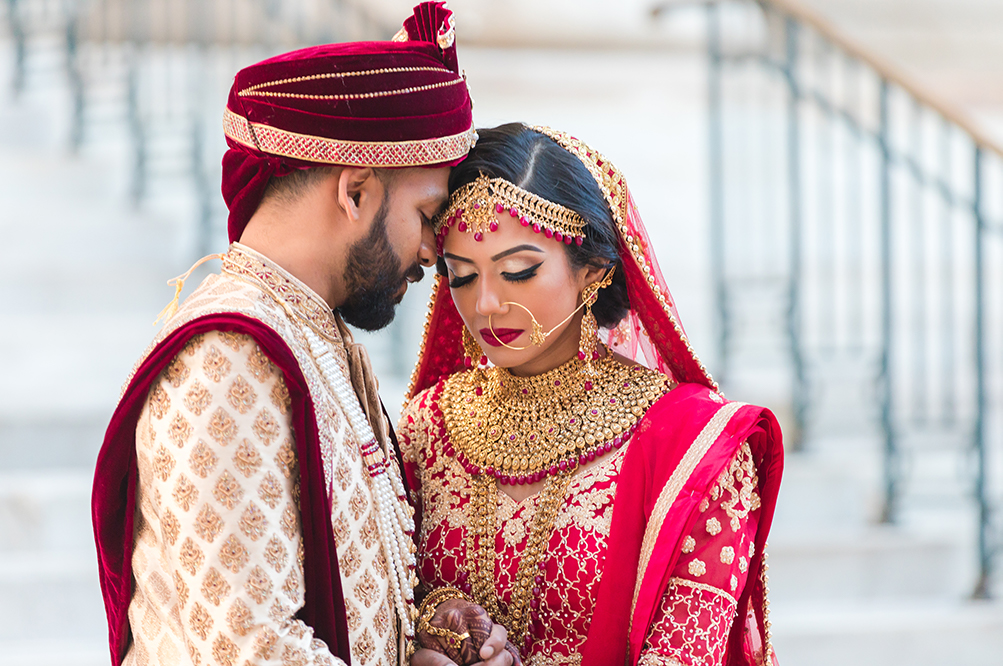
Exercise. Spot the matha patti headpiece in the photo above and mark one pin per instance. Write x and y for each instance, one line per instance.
(472, 209)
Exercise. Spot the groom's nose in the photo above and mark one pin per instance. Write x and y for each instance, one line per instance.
(426, 251)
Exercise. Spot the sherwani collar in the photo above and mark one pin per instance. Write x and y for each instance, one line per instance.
(306, 305)
(300, 301)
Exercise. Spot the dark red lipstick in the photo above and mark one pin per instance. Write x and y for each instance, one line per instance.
(505, 335)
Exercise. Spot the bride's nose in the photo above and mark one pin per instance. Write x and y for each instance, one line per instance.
(488, 302)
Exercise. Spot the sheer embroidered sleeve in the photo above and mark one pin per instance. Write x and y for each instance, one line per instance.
(219, 510)
(691, 626)
(412, 429)
(414, 434)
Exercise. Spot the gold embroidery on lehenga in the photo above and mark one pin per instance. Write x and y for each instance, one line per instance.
(574, 552)
(738, 485)
(224, 651)
(693, 625)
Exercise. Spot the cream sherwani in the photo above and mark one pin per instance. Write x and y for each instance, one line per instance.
(218, 554)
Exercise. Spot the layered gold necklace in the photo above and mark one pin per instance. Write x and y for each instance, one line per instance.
(521, 429)
(518, 430)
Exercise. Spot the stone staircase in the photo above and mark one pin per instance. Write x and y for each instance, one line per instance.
(89, 272)
(845, 590)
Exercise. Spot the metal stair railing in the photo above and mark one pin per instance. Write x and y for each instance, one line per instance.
(159, 64)
(886, 230)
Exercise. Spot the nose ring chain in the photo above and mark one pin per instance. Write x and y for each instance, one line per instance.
(538, 336)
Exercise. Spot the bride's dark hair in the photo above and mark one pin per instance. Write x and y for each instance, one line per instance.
(534, 162)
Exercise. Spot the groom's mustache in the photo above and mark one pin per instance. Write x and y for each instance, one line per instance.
(415, 273)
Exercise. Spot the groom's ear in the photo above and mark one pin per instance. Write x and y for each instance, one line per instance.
(359, 194)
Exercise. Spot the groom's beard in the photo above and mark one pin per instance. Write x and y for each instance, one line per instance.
(373, 277)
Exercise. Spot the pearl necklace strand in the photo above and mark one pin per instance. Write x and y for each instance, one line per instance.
(396, 520)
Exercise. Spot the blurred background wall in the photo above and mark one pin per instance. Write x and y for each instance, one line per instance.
(822, 181)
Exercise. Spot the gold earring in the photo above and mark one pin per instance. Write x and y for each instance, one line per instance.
(473, 355)
(588, 343)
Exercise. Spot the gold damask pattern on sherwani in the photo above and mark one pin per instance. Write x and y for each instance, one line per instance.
(218, 555)
(698, 609)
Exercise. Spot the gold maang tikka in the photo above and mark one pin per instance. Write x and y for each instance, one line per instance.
(473, 207)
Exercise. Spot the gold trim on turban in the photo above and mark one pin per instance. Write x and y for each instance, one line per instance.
(323, 150)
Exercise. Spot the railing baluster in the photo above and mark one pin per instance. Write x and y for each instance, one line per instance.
(825, 270)
(75, 77)
(915, 223)
(715, 161)
(926, 372)
(948, 381)
(980, 440)
(20, 46)
(891, 460)
(799, 397)
(855, 232)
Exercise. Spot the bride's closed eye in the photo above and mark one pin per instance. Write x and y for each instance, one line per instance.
(461, 280)
(521, 276)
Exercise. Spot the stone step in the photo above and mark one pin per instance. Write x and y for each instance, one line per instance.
(45, 595)
(819, 492)
(46, 512)
(41, 443)
(882, 632)
(54, 653)
(864, 564)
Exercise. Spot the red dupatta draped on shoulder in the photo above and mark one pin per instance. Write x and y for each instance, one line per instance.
(113, 501)
(680, 448)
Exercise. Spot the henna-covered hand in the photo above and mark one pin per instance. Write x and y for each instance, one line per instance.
(466, 626)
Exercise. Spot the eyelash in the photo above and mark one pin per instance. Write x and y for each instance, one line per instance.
(521, 276)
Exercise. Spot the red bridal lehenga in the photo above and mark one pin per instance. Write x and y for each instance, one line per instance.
(646, 545)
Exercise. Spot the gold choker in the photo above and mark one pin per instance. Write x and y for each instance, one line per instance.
(519, 430)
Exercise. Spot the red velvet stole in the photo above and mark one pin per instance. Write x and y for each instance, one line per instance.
(113, 502)
(664, 439)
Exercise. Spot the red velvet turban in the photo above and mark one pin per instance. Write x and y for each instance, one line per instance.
(392, 104)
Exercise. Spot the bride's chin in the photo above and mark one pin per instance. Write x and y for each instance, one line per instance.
(504, 358)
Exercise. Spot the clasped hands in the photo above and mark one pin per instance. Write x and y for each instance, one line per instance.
(461, 632)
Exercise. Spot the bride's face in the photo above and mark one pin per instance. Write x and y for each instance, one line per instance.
(516, 265)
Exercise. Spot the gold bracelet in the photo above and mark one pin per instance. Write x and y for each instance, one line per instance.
(427, 611)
